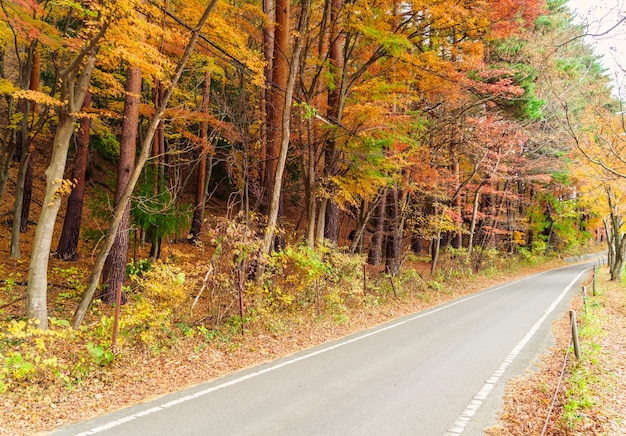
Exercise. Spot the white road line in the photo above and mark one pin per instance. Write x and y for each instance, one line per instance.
(479, 398)
(112, 424)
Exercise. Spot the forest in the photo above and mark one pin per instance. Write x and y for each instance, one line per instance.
(179, 168)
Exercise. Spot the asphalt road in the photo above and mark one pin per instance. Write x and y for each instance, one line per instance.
(438, 372)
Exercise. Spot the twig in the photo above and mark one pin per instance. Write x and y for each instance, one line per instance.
(204, 284)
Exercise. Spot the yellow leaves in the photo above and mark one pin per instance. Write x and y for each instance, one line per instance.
(38, 97)
(64, 189)
(7, 87)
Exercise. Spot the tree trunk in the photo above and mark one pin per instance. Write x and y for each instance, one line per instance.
(114, 273)
(616, 239)
(36, 302)
(283, 5)
(470, 244)
(198, 212)
(436, 244)
(35, 74)
(310, 182)
(68, 242)
(74, 89)
(268, 52)
(457, 238)
(392, 232)
(376, 245)
(277, 100)
(24, 185)
(331, 163)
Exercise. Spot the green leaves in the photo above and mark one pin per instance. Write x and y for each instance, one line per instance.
(100, 354)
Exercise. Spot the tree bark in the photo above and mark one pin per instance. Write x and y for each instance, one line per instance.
(331, 164)
(74, 86)
(24, 185)
(376, 245)
(268, 52)
(470, 243)
(285, 123)
(68, 242)
(198, 211)
(114, 273)
(277, 101)
(392, 232)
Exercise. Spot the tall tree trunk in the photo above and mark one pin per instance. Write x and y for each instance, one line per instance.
(616, 238)
(94, 277)
(310, 181)
(276, 109)
(159, 156)
(68, 242)
(75, 79)
(268, 53)
(114, 273)
(285, 119)
(392, 232)
(24, 185)
(198, 211)
(35, 74)
(457, 238)
(331, 164)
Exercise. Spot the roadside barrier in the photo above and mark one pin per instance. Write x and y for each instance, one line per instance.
(574, 344)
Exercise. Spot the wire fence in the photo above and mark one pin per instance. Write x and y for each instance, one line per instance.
(561, 375)
(573, 341)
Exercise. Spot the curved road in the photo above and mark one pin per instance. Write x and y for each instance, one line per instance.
(437, 372)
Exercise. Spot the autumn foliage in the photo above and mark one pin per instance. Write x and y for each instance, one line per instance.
(285, 153)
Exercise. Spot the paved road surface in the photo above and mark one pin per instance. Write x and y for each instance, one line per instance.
(437, 372)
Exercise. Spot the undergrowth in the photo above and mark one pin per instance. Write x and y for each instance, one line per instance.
(212, 305)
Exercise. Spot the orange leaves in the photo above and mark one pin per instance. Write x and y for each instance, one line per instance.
(510, 16)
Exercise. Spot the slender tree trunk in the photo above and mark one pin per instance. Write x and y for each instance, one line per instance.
(457, 238)
(68, 242)
(24, 185)
(310, 182)
(268, 52)
(331, 164)
(392, 232)
(28, 189)
(114, 273)
(94, 278)
(376, 245)
(436, 244)
(198, 212)
(35, 74)
(470, 243)
(159, 155)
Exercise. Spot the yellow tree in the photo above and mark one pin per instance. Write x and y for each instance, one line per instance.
(74, 77)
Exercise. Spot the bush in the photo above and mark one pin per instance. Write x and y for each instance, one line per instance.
(154, 309)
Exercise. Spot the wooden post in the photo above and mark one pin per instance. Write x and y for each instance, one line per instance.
(393, 285)
(116, 318)
(585, 296)
(594, 279)
(240, 272)
(572, 317)
(364, 280)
